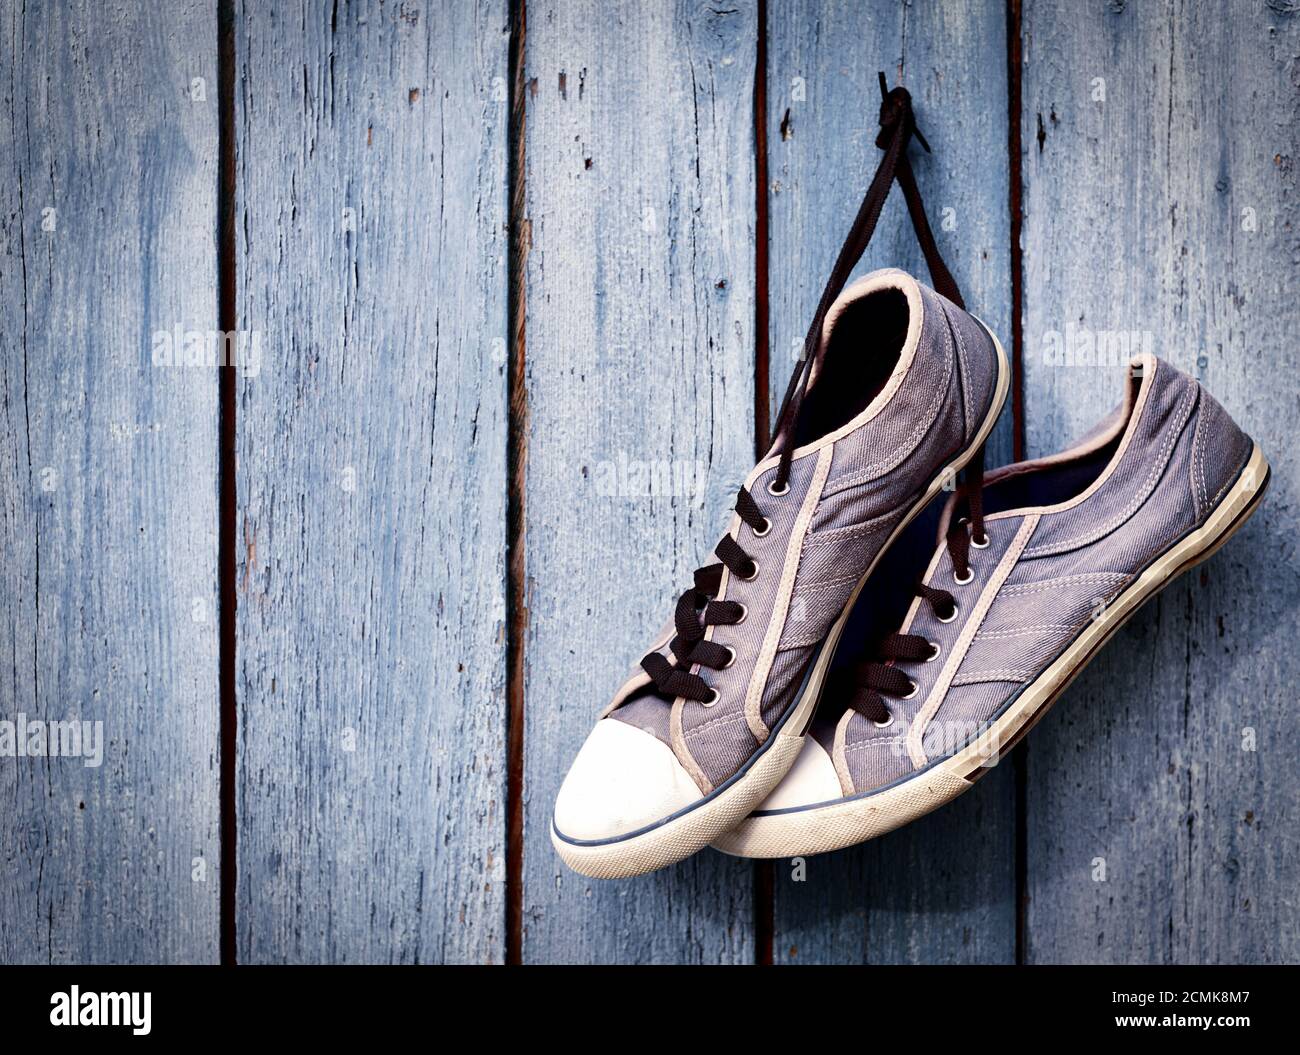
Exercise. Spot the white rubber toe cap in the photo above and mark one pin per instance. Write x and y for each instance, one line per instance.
(623, 779)
(811, 779)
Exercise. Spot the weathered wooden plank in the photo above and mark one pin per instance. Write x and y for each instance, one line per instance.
(372, 454)
(639, 354)
(943, 888)
(1160, 199)
(108, 494)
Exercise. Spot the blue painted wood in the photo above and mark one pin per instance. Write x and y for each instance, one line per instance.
(639, 290)
(1160, 200)
(372, 490)
(941, 889)
(372, 480)
(108, 494)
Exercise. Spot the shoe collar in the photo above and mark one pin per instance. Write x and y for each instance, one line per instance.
(1125, 420)
(877, 281)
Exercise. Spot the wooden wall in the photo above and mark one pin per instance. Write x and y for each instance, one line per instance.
(487, 261)
(108, 480)
(1161, 144)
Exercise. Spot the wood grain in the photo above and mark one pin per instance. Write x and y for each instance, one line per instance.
(372, 457)
(1160, 199)
(639, 191)
(108, 494)
(372, 176)
(941, 889)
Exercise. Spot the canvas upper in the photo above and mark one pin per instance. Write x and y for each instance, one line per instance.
(1065, 535)
(903, 383)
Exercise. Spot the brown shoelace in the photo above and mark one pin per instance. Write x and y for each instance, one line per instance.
(696, 609)
(866, 684)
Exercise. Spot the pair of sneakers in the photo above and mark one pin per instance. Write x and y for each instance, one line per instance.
(731, 731)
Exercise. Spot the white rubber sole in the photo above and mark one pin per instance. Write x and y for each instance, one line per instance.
(676, 839)
(846, 822)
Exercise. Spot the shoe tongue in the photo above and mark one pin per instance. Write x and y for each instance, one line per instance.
(823, 730)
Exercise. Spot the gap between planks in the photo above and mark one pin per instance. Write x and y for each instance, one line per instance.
(517, 464)
(227, 500)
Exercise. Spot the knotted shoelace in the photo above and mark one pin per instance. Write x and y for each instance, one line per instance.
(696, 609)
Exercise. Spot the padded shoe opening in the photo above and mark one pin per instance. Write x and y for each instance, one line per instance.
(1051, 484)
(860, 355)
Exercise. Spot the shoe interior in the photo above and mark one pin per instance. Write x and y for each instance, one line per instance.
(1061, 477)
(1049, 485)
(879, 611)
(860, 354)
(882, 606)
(1052, 481)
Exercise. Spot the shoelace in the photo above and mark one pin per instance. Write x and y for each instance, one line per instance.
(689, 645)
(897, 126)
(867, 683)
(696, 609)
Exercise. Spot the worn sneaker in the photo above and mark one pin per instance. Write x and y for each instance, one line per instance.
(1032, 579)
(896, 390)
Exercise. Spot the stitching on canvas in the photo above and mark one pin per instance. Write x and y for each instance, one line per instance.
(818, 587)
(683, 753)
(784, 592)
(887, 741)
(847, 784)
(1014, 552)
(906, 445)
(976, 676)
(1051, 585)
(1219, 494)
(994, 635)
(1198, 464)
(963, 369)
(722, 719)
(794, 641)
(845, 534)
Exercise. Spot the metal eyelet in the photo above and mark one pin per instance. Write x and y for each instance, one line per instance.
(752, 575)
(731, 658)
(911, 692)
(885, 724)
(713, 698)
(970, 574)
(767, 526)
(744, 611)
(935, 649)
(772, 491)
(951, 616)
